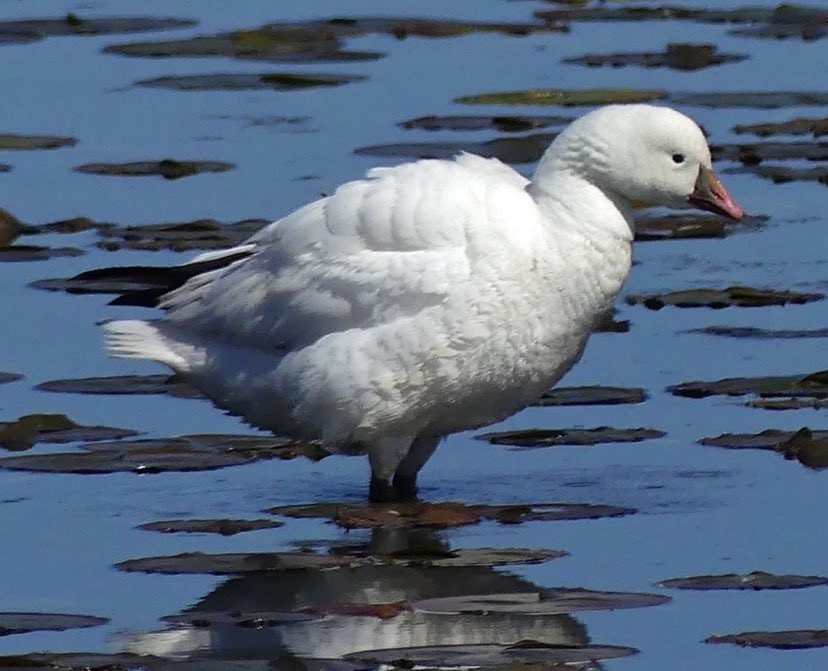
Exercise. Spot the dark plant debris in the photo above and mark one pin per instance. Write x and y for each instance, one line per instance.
(781, 174)
(23, 433)
(809, 448)
(182, 453)
(223, 527)
(797, 639)
(10, 141)
(18, 253)
(734, 296)
(24, 30)
(755, 580)
(751, 154)
(552, 437)
(788, 403)
(277, 81)
(20, 623)
(798, 126)
(679, 226)
(501, 123)
(5, 378)
(676, 56)
(592, 395)
(180, 237)
(444, 515)
(123, 384)
(167, 168)
(760, 333)
(773, 386)
(512, 149)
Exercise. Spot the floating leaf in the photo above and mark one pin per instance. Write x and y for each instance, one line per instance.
(278, 81)
(25, 142)
(36, 253)
(550, 437)
(755, 580)
(52, 428)
(232, 564)
(179, 237)
(808, 447)
(167, 168)
(798, 126)
(798, 639)
(592, 395)
(734, 296)
(677, 56)
(781, 174)
(257, 619)
(760, 333)
(502, 123)
(5, 378)
(564, 97)
(754, 153)
(19, 623)
(221, 527)
(810, 384)
(752, 99)
(444, 515)
(123, 384)
(72, 24)
(523, 149)
(788, 403)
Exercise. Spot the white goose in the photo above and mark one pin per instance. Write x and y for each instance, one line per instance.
(428, 298)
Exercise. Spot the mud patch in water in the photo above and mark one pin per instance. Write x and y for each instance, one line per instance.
(717, 299)
(755, 580)
(552, 437)
(676, 56)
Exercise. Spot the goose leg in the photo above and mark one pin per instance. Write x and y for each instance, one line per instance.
(385, 456)
(405, 477)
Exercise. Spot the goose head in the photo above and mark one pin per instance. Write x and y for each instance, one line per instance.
(643, 154)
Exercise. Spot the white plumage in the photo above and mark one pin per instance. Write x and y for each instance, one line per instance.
(427, 298)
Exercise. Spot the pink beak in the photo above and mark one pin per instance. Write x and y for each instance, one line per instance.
(710, 194)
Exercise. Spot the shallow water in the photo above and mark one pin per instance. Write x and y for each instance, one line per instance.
(701, 510)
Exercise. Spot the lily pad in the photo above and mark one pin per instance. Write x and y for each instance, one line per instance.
(258, 619)
(592, 395)
(755, 580)
(734, 296)
(808, 447)
(73, 24)
(806, 23)
(550, 437)
(179, 237)
(36, 253)
(24, 432)
(25, 142)
(760, 333)
(754, 153)
(798, 126)
(676, 56)
(232, 564)
(753, 99)
(797, 639)
(19, 623)
(522, 149)
(5, 378)
(545, 602)
(278, 81)
(221, 527)
(123, 384)
(809, 385)
(677, 226)
(781, 174)
(534, 654)
(503, 123)
(788, 403)
(565, 97)
(167, 168)
(444, 515)
(183, 453)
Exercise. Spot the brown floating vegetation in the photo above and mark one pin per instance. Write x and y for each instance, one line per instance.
(23, 433)
(809, 448)
(553, 437)
(679, 226)
(123, 384)
(167, 168)
(24, 30)
(278, 81)
(18, 253)
(444, 515)
(223, 527)
(808, 385)
(5, 378)
(10, 141)
(180, 237)
(506, 123)
(755, 580)
(797, 639)
(20, 623)
(760, 333)
(798, 126)
(521, 149)
(717, 299)
(592, 395)
(676, 56)
(183, 453)
(781, 174)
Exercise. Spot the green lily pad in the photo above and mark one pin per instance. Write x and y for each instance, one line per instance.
(17, 253)
(678, 226)
(444, 515)
(798, 126)
(24, 142)
(24, 432)
(503, 123)
(5, 378)
(123, 384)
(564, 97)
(221, 527)
(755, 580)
(183, 453)
(798, 639)
(20, 623)
(166, 168)
(676, 56)
(734, 296)
(592, 395)
(523, 149)
(551, 437)
(809, 385)
(278, 81)
(808, 447)
(760, 333)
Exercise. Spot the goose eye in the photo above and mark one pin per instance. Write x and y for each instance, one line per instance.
(678, 159)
